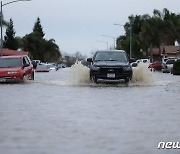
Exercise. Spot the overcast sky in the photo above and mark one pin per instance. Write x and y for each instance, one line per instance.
(76, 25)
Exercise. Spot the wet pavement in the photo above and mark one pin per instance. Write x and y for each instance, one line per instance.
(54, 115)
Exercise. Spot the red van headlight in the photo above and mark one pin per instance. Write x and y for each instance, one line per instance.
(13, 72)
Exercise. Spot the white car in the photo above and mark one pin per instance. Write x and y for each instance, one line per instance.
(52, 66)
(143, 61)
(165, 59)
(134, 64)
(168, 65)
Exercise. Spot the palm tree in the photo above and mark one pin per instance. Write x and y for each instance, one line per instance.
(52, 51)
(150, 34)
(169, 26)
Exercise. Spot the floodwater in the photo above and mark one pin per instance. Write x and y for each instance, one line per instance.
(62, 112)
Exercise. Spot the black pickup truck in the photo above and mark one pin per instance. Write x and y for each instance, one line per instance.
(110, 65)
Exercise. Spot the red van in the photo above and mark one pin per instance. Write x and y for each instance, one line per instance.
(15, 68)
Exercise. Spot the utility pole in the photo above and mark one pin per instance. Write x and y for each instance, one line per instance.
(1, 46)
(130, 46)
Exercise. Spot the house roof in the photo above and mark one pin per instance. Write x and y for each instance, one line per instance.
(166, 50)
(8, 52)
(170, 49)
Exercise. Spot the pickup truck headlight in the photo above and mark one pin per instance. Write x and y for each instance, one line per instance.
(128, 68)
(95, 68)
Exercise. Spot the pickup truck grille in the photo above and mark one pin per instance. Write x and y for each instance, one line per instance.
(111, 70)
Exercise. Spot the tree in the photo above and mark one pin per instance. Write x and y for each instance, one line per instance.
(163, 28)
(51, 51)
(10, 41)
(169, 27)
(38, 28)
(39, 47)
(123, 42)
(33, 44)
(150, 34)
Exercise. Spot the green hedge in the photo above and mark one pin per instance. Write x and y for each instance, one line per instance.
(176, 68)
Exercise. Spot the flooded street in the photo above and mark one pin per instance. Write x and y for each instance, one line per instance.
(56, 115)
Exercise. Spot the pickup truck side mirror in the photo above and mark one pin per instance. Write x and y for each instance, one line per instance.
(34, 65)
(89, 60)
(26, 65)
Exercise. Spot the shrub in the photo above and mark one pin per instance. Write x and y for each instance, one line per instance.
(176, 68)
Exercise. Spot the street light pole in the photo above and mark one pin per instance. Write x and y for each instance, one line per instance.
(112, 38)
(1, 45)
(130, 46)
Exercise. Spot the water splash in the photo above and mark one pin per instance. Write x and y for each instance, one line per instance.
(142, 75)
(79, 75)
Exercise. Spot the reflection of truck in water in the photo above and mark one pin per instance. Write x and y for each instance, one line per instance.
(110, 65)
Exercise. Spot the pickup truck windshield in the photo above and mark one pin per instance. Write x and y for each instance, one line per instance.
(111, 56)
(10, 62)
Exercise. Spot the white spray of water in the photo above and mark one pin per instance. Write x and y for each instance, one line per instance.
(142, 75)
(79, 75)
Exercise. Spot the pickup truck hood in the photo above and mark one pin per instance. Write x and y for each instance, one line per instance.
(110, 64)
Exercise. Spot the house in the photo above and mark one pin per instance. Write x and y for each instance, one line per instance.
(164, 51)
(170, 51)
(8, 52)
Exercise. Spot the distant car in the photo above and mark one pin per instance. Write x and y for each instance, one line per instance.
(36, 61)
(110, 65)
(164, 60)
(156, 65)
(15, 68)
(52, 66)
(134, 64)
(168, 65)
(143, 61)
(42, 67)
(62, 65)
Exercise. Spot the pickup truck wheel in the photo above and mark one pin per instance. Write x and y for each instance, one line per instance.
(24, 78)
(93, 79)
(126, 80)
